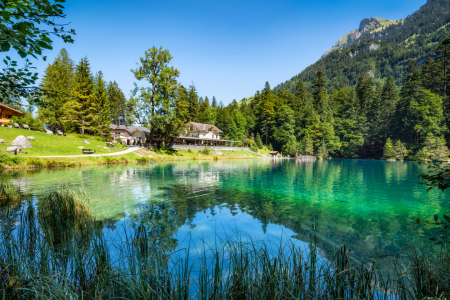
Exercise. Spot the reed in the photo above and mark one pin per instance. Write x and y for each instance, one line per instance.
(9, 195)
(57, 252)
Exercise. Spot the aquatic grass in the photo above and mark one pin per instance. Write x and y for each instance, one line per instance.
(9, 195)
(56, 251)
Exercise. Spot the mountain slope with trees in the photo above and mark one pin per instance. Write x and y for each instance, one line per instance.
(416, 37)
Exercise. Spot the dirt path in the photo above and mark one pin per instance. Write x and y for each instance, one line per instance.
(131, 149)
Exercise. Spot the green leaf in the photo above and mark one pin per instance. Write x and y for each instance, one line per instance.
(447, 218)
(22, 53)
(5, 47)
(5, 14)
(418, 221)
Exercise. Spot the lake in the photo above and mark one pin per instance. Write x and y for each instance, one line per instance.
(366, 204)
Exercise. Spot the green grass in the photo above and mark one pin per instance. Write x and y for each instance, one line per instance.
(47, 145)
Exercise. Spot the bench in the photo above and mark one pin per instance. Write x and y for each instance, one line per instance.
(88, 151)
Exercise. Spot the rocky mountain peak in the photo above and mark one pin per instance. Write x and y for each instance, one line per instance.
(366, 23)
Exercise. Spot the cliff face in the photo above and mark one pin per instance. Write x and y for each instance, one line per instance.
(366, 25)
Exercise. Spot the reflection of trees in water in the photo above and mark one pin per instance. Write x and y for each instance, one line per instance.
(307, 197)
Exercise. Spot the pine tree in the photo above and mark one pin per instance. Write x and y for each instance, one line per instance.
(181, 107)
(400, 151)
(411, 91)
(214, 102)
(266, 109)
(57, 84)
(364, 92)
(258, 141)
(100, 104)
(388, 150)
(389, 98)
(79, 111)
(117, 104)
(431, 77)
(194, 105)
(320, 96)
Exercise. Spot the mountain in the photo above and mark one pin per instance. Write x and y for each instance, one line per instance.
(371, 25)
(381, 47)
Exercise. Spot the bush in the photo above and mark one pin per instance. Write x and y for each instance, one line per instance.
(33, 123)
(206, 151)
(10, 160)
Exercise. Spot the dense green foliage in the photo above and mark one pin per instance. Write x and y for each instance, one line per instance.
(27, 28)
(351, 122)
(78, 101)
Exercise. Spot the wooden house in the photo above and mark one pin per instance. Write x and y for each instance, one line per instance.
(6, 113)
(198, 134)
(130, 135)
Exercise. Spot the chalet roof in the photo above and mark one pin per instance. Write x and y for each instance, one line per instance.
(129, 129)
(273, 152)
(204, 127)
(15, 110)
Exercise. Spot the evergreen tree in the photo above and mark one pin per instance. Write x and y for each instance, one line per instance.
(431, 77)
(117, 104)
(100, 104)
(214, 102)
(400, 151)
(389, 98)
(57, 82)
(181, 107)
(283, 128)
(194, 105)
(79, 111)
(258, 141)
(388, 150)
(411, 91)
(364, 93)
(320, 96)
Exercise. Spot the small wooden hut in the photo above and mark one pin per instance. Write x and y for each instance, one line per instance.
(274, 153)
(6, 113)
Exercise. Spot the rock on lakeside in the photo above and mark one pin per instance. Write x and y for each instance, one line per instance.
(21, 142)
(86, 142)
(31, 138)
(2, 141)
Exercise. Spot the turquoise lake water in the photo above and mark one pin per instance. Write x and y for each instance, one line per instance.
(366, 204)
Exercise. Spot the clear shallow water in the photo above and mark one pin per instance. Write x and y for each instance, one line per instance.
(363, 203)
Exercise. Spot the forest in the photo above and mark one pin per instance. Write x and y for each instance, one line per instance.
(373, 119)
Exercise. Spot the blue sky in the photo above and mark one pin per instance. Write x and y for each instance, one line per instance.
(226, 48)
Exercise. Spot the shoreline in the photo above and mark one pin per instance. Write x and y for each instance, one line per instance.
(18, 163)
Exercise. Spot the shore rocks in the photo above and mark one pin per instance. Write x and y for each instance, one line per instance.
(12, 149)
(21, 142)
(2, 141)
(86, 142)
(31, 138)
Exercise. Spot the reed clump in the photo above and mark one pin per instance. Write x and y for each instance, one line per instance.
(57, 252)
(9, 195)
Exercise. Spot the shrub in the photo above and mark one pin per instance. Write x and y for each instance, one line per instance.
(206, 151)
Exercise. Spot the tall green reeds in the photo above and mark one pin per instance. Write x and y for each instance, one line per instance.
(56, 252)
(9, 195)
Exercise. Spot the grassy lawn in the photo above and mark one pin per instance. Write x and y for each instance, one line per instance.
(46, 145)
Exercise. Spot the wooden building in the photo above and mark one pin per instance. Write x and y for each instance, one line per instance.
(130, 135)
(198, 134)
(6, 113)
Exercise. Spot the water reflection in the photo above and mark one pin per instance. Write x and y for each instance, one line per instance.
(366, 204)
